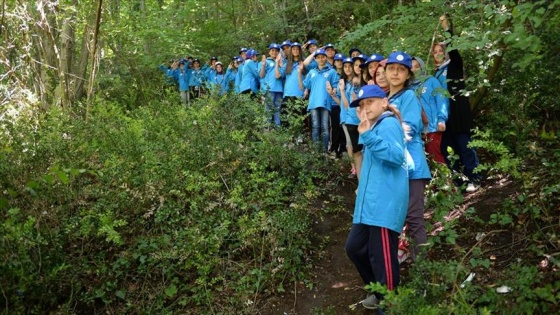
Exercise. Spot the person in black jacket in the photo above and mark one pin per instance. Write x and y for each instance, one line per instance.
(450, 73)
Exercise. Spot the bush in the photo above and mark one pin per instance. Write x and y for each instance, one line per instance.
(159, 209)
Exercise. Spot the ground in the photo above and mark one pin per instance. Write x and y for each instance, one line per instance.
(336, 284)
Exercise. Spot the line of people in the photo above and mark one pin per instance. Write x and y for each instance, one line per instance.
(352, 103)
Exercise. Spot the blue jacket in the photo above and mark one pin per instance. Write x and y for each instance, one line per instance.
(238, 77)
(250, 78)
(382, 198)
(197, 77)
(221, 82)
(269, 82)
(343, 111)
(409, 106)
(182, 77)
(433, 100)
(316, 81)
(210, 73)
(352, 115)
(291, 84)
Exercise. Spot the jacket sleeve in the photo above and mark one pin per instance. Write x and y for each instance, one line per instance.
(455, 68)
(441, 100)
(385, 142)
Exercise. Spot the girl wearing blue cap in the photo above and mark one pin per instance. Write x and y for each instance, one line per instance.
(289, 69)
(369, 67)
(250, 77)
(271, 82)
(399, 74)
(348, 116)
(319, 104)
(197, 80)
(381, 203)
(451, 75)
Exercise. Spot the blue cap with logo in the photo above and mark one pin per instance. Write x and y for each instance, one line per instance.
(320, 52)
(274, 46)
(368, 91)
(329, 45)
(251, 53)
(312, 42)
(338, 57)
(296, 44)
(400, 58)
(286, 43)
(362, 57)
(242, 49)
(347, 60)
(372, 58)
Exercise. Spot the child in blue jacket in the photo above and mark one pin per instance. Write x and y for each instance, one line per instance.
(319, 100)
(434, 102)
(381, 203)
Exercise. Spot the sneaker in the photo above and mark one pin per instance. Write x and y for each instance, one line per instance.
(370, 302)
(472, 187)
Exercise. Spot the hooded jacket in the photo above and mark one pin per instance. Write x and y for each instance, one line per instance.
(316, 81)
(432, 97)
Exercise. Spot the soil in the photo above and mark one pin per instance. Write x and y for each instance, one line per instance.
(335, 282)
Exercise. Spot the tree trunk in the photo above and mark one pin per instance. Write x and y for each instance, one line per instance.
(65, 62)
(93, 51)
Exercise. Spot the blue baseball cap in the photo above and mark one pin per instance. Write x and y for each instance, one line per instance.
(353, 50)
(372, 58)
(400, 58)
(338, 57)
(214, 58)
(239, 59)
(251, 53)
(286, 43)
(243, 49)
(329, 45)
(320, 52)
(360, 56)
(368, 91)
(347, 60)
(312, 42)
(274, 46)
(296, 44)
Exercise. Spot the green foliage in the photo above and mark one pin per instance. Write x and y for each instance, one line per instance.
(162, 208)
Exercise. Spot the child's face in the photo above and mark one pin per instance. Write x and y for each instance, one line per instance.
(397, 74)
(273, 53)
(330, 52)
(338, 64)
(439, 54)
(348, 69)
(357, 69)
(373, 107)
(312, 48)
(380, 78)
(415, 66)
(371, 67)
(296, 51)
(321, 60)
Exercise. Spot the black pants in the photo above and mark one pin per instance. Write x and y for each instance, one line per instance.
(374, 250)
(338, 139)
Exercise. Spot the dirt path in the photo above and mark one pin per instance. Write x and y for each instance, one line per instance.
(336, 284)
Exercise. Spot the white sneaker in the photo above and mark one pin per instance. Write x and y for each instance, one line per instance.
(472, 187)
(370, 302)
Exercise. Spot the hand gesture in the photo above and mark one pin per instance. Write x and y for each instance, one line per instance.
(341, 85)
(279, 60)
(370, 82)
(263, 59)
(365, 123)
(444, 22)
(305, 94)
(329, 87)
(300, 67)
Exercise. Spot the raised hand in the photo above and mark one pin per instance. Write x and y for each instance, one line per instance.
(329, 87)
(263, 59)
(365, 123)
(341, 85)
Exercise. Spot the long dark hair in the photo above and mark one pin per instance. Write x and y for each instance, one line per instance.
(290, 64)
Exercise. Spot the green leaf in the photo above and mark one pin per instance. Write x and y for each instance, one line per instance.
(121, 294)
(171, 291)
(62, 176)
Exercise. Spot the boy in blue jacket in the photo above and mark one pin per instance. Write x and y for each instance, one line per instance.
(319, 100)
(271, 81)
(382, 200)
(250, 78)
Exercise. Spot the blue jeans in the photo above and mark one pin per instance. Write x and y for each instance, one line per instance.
(274, 101)
(320, 125)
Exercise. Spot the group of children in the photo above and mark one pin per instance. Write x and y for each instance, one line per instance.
(379, 110)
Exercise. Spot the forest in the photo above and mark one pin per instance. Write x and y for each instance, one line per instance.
(117, 199)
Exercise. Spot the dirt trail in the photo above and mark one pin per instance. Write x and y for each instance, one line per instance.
(336, 284)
